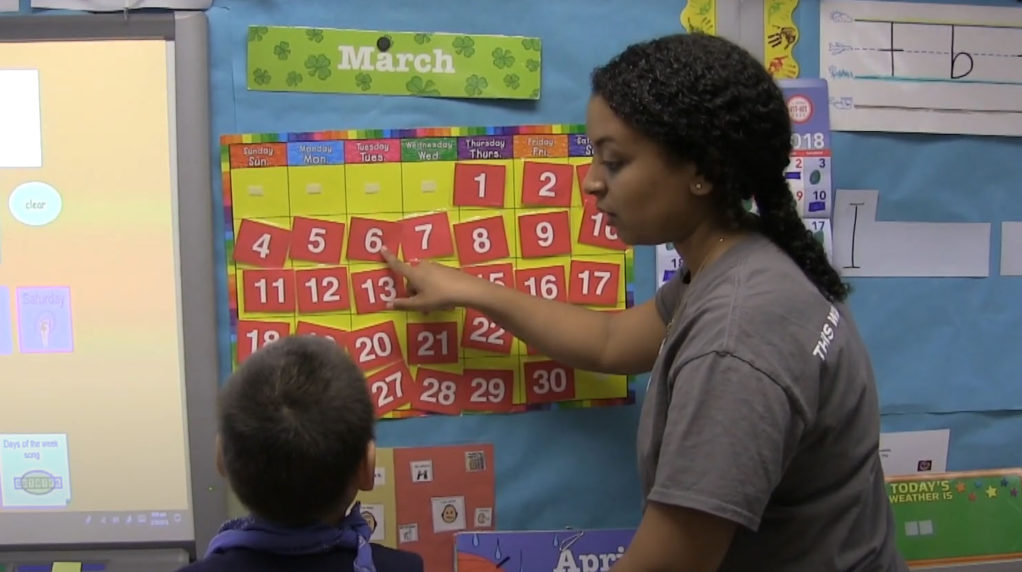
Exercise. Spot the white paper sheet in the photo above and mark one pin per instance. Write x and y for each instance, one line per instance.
(667, 263)
(119, 5)
(1011, 248)
(914, 67)
(911, 452)
(864, 246)
(9, 5)
(21, 134)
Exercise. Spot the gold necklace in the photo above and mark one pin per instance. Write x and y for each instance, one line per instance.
(691, 280)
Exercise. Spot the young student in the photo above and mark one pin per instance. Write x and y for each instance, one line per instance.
(296, 442)
(758, 437)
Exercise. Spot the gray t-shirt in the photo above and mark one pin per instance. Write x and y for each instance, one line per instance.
(762, 409)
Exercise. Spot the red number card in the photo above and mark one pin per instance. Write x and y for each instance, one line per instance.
(593, 283)
(253, 335)
(502, 273)
(489, 389)
(477, 185)
(269, 290)
(336, 335)
(374, 289)
(581, 172)
(546, 184)
(546, 282)
(545, 234)
(548, 381)
(595, 231)
(261, 244)
(390, 388)
(322, 290)
(432, 342)
(367, 237)
(427, 236)
(481, 333)
(374, 346)
(481, 240)
(316, 240)
(437, 391)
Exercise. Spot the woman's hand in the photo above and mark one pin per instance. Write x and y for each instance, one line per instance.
(433, 286)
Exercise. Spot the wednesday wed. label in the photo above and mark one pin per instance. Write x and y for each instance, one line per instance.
(324, 60)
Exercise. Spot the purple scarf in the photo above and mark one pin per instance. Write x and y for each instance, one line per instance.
(352, 533)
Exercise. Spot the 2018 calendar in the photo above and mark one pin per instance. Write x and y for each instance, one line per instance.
(309, 213)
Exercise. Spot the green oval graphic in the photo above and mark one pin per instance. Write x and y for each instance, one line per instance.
(814, 177)
(38, 482)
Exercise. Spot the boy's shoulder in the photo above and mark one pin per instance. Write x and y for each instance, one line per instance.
(386, 560)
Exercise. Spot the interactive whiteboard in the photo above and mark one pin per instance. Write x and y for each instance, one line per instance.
(107, 326)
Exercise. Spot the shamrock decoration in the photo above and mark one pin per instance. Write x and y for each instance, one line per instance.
(502, 58)
(261, 76)
(532, 44)
(314, 35)
(531, 64)
(318, 66)
(422, 38)
(256, 33)
(474, 85)
(464, 45)
(512, 81)
(282, 50)
(416, 86)
(364, 81)
(294, 78)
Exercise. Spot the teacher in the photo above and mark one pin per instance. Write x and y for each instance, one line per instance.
(758, 437)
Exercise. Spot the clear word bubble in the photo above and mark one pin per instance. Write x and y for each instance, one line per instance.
(35, 203)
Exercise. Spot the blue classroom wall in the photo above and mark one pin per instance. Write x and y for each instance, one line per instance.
(945, 350)
(554, 469)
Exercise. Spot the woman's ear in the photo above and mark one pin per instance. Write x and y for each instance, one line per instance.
(367, 472)
(700, 187)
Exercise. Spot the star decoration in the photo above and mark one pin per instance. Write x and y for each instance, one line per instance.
(991, 492)
(1014, 492)
(979, 484)
(961, 487)
(972, 497)
(1004, 482)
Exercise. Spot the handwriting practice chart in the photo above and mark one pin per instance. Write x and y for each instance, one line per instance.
(311, 212)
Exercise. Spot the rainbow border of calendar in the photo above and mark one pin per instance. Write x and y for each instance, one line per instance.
(566, 129)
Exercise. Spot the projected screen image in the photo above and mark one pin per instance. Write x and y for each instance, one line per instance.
(93, 437)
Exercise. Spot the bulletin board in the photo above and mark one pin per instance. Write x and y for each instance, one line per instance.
(942, 347)
(557, 466)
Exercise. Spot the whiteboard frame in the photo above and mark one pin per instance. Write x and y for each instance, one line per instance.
(189, 32)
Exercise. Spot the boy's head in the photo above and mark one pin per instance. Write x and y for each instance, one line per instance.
(296, 435)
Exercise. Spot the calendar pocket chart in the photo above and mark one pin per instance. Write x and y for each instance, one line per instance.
(309, 213)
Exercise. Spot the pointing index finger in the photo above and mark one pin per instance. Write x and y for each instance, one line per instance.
(393, 262)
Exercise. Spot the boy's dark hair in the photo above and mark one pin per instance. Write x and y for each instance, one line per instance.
(295, 420)
(704, 99)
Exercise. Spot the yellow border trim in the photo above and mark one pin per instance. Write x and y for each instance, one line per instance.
(700, 16)
(780, 34)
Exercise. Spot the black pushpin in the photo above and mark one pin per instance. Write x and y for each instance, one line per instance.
(383, 44)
